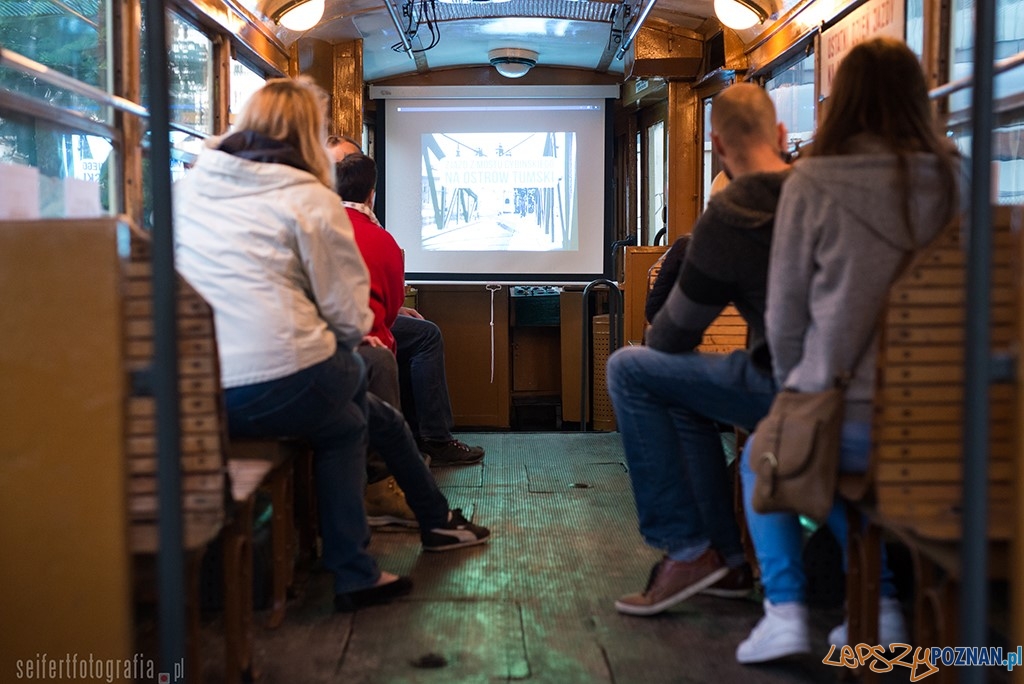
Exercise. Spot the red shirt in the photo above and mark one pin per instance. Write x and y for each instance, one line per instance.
(383, 259)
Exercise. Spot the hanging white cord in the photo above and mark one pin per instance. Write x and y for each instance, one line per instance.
(492, 289)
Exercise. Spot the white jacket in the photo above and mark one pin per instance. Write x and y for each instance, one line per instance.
(271, 249)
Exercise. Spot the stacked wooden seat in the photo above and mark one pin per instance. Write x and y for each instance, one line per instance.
(918, 418)
(913, 489)
(220, 477)
(202, 460)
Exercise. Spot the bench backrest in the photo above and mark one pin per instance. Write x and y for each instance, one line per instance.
(917, 452)
(726, 333)
(202, 428)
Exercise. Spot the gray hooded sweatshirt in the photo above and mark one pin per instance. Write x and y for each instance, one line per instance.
(840, 237)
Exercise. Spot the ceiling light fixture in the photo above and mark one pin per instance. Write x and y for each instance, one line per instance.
(299, 15)
(740, 14)
(512, 62)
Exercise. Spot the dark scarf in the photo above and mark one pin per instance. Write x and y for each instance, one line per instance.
(257, 147)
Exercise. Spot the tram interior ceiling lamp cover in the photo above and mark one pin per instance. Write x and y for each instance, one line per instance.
(512, 62)
(740, 14)
(299, 15)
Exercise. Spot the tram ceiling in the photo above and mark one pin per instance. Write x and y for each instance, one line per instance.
(576, 34)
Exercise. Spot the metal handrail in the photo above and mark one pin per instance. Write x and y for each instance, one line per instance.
(998, 67)
(615, 335)
(56, 78)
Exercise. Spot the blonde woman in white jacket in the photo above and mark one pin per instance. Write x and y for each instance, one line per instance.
(879, 184)
(262, 236)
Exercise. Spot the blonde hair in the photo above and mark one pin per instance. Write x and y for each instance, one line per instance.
(292, 110)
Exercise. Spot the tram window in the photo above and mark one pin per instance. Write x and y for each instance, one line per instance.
(792, 91)
(1008, 132)
(75, 42)
(657, 180)
(915, 27)
(191, 77)
(57, 154)
(244, 82)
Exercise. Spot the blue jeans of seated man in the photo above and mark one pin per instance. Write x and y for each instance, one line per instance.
(778, 537)
(668, 407)
(425, 401)
(326, 404)
(390, 437)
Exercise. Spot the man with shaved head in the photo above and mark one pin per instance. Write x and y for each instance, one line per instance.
(669, 400)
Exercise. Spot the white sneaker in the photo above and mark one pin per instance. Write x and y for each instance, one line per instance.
(892, 628)
(782, 632)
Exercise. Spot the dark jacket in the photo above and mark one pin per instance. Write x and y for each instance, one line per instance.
(726, 263)
(671, 261)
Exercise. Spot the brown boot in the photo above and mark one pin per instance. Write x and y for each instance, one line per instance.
(386, 505)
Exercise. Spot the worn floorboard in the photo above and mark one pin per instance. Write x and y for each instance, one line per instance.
(533, 605)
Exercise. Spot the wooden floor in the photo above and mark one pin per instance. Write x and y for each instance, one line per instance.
(533, 605)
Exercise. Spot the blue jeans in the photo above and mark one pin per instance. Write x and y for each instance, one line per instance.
(391, 439)
(425, 401)
(381, 380)
(668, 407)
(778, 537)
(325, 404)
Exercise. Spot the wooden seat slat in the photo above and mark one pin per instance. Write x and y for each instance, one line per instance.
(919, 315)
(896, 395)
(943, 296)
(144, 506)
(951, 433)
(926, 472)
(924, 414)
(208, 462)
(904, 336)
(922, 450)
(193, 482)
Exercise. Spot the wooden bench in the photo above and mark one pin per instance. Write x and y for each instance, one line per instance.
(913, 488)
(215, 470)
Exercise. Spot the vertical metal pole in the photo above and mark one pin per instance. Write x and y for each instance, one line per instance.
(978, 363)
(170, 561)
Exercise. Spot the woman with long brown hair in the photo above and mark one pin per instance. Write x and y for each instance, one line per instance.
(879, 184)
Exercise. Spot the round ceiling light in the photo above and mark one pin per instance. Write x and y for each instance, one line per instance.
(739, 14)
(302, 16)
(512, 62)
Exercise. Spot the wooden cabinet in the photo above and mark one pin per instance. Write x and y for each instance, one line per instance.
(63, 518)
(476, 353)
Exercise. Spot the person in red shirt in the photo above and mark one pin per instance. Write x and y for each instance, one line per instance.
(418, 345)
(356, 175)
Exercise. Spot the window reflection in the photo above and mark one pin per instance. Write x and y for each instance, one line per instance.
(244, 82)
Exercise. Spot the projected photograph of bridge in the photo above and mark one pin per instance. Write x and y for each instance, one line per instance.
(499, 192)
